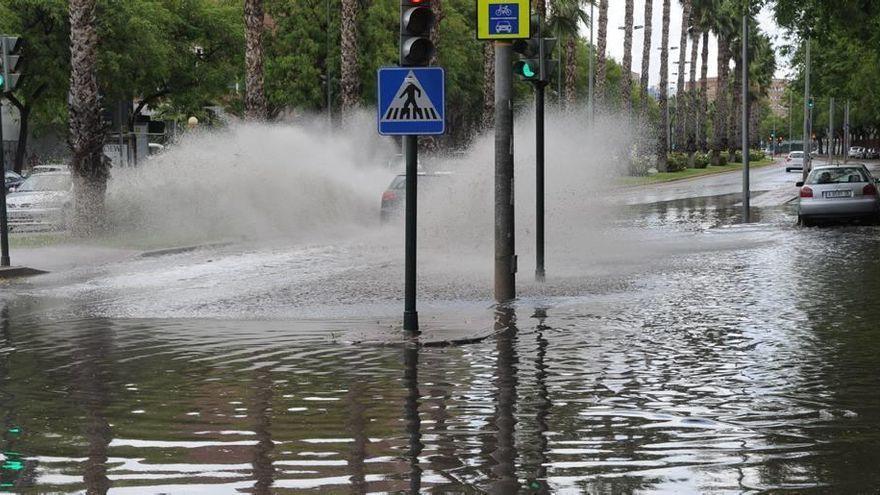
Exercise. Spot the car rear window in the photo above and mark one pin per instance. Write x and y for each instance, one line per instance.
(797, 154)
(839, 175)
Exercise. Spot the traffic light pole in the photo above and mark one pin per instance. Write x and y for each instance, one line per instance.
(410, 315)
(4, 226)
(539, 182)
(505, 254)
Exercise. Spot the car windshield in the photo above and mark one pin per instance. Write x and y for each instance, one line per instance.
(46, 182)
(838, 175)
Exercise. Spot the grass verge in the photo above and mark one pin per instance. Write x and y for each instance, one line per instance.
(690, 173)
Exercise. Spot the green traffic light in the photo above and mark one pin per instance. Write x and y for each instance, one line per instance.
(527, 71)
(1, 81)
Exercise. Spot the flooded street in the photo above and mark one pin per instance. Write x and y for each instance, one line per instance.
(671, 351)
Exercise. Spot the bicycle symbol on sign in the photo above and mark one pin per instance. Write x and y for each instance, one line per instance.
(503, 11)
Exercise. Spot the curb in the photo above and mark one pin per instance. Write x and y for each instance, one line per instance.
(181, 249)
(19, 271)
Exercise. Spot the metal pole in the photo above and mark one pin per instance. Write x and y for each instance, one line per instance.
(505, 257)
(539, 160)
(410, 315)
(539, 182)
(591, 108)
(745, 117)
(831, 130)
(4, 226)
(808, 144)
(845, 149)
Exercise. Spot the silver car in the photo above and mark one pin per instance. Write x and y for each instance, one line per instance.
(838, 192)
(794, 161)
(41, 202)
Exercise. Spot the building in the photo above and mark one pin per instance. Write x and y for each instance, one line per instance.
(711, 86)
(776, 95)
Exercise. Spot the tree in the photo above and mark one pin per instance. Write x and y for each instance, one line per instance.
(350, 80)
(724, 27)
(701, 15)
(255, 96)
(601, 69)
(90, 168)
(646, 59)
(488, 85)
(43, 92)
(681, 99)
(564, 20)
(693, 117)
(626, 82)
(663, 143)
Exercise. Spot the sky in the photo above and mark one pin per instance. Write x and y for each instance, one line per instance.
(616, 11)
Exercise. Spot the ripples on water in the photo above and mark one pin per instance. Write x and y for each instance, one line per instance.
(740, 369)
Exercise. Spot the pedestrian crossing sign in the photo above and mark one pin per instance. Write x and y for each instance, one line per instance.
(412, 101)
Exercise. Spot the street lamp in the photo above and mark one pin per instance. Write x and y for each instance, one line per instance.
(623, 28)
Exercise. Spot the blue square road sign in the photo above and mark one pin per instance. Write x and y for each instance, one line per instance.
(412, 101)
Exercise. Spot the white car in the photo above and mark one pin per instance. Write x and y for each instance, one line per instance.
(41, 202)
(838, 192)
(856, 152)
(794, 161)
(504, 27)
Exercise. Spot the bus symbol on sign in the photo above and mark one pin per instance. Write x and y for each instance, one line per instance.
(503, 18)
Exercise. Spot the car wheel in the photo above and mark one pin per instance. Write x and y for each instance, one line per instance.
(804, 222)
(787, 169)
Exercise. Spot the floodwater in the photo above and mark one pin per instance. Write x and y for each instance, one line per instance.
(738, 359)
(672, 349)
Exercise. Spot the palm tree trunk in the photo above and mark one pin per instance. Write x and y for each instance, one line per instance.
(90, 168)
(349, 80)
(663, 143)
(255, 95)
(734, 129)
(488, 84)
(626, 80)
(704, 94)
(693, 117)
(681, 100)
(646, 59)
(719, 142)
(570, 71)
(601, 69)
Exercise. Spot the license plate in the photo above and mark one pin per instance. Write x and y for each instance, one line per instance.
(837, 194)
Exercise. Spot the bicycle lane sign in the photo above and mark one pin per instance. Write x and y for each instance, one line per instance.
(503, 19)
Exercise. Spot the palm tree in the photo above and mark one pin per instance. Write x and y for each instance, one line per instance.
(349, 78)
(601, 69)
(646, 59)
(693, 117)
(762, 67)
(488, 85)
(663, 143)
(255, 95)
(680, 99)
(626, 81)
(90, 168)
(724, 27)
(701, 13)
(564, 20)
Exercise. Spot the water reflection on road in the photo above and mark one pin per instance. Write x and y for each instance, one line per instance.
(745, 368)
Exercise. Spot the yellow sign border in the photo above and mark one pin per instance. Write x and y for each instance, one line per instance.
(525, 8)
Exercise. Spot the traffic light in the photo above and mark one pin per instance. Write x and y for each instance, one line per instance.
(810, 103)
(10, 60)
(531, 66)
(416, 21)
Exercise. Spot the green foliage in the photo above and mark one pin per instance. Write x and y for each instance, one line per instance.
(754, 156)
(701, 160)
(677, 161)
